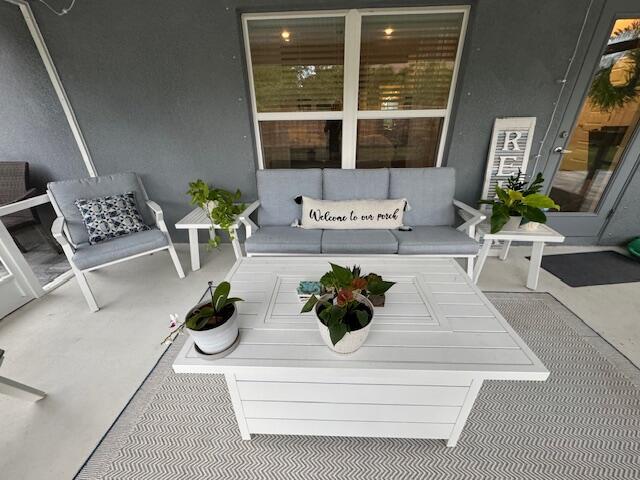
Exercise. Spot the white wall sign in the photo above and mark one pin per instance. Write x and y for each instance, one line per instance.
(509, 151)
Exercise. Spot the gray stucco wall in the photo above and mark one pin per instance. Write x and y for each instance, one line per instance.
(32, 124)
(159, 87)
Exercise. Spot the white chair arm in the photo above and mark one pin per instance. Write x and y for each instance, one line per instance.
(472, 216)
(57, 230)
(243, 217)
(157, 211)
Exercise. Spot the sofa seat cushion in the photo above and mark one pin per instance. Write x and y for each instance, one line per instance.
(88, 256)
(276, 239)
(359, 241)
(435, 241)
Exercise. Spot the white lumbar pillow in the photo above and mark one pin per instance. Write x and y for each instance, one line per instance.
(352, 214)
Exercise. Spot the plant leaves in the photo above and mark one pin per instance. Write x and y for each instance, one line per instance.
(363, 318)
(539, 200)
(502, 195)
(534, 214)
(337, 331)
(379, 287)
(308, 306)
(220, 295)
(499, 217)
(342, 275)
(515, 196)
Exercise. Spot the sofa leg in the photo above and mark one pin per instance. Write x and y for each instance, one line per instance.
(470, 261)
(86, 290)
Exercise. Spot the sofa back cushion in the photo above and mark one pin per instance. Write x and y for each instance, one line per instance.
(339, 184)
(429, 192)
(278, 189)
(66, 192)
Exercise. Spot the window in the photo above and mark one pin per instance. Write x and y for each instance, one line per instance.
(356, 88)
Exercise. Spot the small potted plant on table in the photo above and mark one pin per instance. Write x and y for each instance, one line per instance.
(344, 314)
(213, 323)
(519, 203)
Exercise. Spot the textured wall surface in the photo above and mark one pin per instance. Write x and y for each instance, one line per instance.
(32, 124)
(625, 222)
(160, 87)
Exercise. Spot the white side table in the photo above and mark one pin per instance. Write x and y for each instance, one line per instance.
(197, 220)
(543, 234)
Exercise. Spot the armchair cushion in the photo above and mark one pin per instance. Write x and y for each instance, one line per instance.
(89, 256)
(109, 217)
(438, 240)
(65, 193)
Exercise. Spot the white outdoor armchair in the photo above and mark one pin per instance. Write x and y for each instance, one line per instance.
(69, 230)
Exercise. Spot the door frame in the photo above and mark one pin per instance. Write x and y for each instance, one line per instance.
(583, 227)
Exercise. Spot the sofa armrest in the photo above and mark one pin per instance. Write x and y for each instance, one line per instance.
(472, 217)
(243, 217)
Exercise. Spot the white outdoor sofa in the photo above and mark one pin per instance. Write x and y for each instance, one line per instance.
(429, 192)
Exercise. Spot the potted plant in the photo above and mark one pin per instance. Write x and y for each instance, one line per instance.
(213, 323)
(518, 203)
(220, 206)
(344, 314)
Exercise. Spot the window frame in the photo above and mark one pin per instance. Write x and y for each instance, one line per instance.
(350, 113)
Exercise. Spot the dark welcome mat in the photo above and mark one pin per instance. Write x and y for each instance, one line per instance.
(592, 268)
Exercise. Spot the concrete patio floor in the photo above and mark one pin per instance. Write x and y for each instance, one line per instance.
(91, 364)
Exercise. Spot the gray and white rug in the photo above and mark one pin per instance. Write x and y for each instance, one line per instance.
(583, 423)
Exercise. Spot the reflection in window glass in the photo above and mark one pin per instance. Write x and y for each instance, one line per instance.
(405, 142)
(297, 63)
(302, 144)
(407, 61)
(607, 122)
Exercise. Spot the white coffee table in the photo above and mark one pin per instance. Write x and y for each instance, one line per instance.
(543, 234)
(431, 347)
(196, 220)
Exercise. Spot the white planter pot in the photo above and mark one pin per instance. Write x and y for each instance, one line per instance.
(512, 224)
(218, 339)
(530, 226)
(352, 341)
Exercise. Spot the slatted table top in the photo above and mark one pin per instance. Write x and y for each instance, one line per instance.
(434, 320)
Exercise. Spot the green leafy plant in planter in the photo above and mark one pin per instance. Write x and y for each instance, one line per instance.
(219, 204)
(206, 316)
(340, 310)
(519, 199)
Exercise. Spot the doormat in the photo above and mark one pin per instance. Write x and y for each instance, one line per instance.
(583, 423)
(592, 268)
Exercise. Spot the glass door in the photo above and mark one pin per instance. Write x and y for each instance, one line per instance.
(593, 158)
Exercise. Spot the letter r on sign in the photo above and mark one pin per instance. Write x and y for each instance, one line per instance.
(512, 138)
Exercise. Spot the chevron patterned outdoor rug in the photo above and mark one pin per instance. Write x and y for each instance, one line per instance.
(583, 423)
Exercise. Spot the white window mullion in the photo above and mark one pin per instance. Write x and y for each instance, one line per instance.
(383, 114)
(322, 115)
(350, 98)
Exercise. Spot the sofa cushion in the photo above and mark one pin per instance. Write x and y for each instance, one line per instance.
(359, 241)
(276, 239)
(429, 192)
(343, 184)
(277, 190)
(66, 192)
(88, 256)
(352, 214)
(435, 240)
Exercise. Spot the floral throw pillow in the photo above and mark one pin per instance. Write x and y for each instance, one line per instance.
(110, 217)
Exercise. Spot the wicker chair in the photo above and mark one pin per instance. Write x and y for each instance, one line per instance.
(14, 187)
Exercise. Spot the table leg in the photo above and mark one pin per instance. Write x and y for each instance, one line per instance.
(534, 265)
(194, 249)
(505, 249)
(482, 256)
